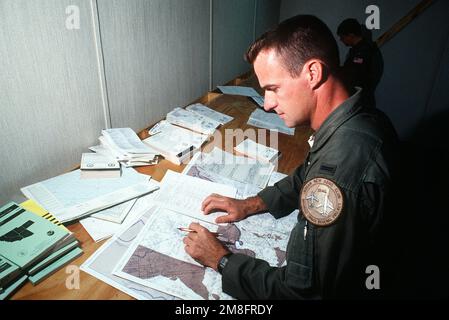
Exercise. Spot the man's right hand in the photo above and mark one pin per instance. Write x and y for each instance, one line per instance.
(237, 209)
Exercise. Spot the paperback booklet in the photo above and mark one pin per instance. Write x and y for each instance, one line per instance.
(26, 238)
(96, 165)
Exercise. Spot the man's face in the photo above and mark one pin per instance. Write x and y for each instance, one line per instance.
(291, 98)
(347, 39)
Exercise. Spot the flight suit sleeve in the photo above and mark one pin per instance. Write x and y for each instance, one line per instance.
(245, 277)
(282, 198)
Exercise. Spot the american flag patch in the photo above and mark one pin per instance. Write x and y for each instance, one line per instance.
(358, 60)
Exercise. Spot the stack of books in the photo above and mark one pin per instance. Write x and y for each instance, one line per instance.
(33, 245)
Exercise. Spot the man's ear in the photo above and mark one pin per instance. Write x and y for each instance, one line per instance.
(315, 73)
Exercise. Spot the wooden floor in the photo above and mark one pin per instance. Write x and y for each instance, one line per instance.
(294, 150)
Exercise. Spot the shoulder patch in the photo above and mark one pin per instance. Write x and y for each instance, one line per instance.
(321, 201)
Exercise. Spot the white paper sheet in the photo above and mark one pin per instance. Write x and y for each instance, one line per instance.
(192, 121)
(237, 168)
(207, 112)
(194, 169)
(116, 213)
(185, 194)
(101, 229)
(125, 140)
(257, 151)
(259, 100)
(269, 120)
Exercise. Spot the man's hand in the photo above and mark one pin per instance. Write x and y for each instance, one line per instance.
(237, 209)
(203, 246)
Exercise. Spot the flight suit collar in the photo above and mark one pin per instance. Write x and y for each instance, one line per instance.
(337, 117)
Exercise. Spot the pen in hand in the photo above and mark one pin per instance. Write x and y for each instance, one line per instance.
(217, 235)
(190, 230)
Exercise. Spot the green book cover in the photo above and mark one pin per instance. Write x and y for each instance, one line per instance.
(52, 257)
(50, 269)
(9, 212)
(8, 271)
(12, 287)
(27, 238)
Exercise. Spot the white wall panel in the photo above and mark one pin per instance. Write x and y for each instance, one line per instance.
(50, 100)
(156, 56)
(233, 32)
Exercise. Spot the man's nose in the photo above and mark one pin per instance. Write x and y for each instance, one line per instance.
(269, 101)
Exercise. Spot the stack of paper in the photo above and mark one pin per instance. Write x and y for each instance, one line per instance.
(192, 121)
(124, 145)
(258, 151)
(68, 197)
(269, 120)
(31, 247)
(176, 144)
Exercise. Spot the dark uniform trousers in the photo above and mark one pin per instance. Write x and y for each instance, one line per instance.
(354, 148)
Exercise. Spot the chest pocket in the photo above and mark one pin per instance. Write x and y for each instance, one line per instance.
(299, 271)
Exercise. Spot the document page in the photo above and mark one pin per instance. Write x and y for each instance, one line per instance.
(241, 169)
(185, 194)
(126, 140)
(100, 229)
(268, 120)
(192, 121)
(204, 111)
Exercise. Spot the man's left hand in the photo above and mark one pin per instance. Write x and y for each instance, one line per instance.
(203, 246)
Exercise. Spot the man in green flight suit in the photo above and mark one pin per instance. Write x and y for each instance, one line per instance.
(363, 66)
(341, 190)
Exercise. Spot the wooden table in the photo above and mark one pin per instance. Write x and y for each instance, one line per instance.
(294, 150)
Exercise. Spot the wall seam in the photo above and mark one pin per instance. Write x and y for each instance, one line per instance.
(211, 53)
(255, 19)
(100, 63)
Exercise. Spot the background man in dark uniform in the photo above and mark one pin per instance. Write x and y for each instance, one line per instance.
(341, 189)
(363, 66)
